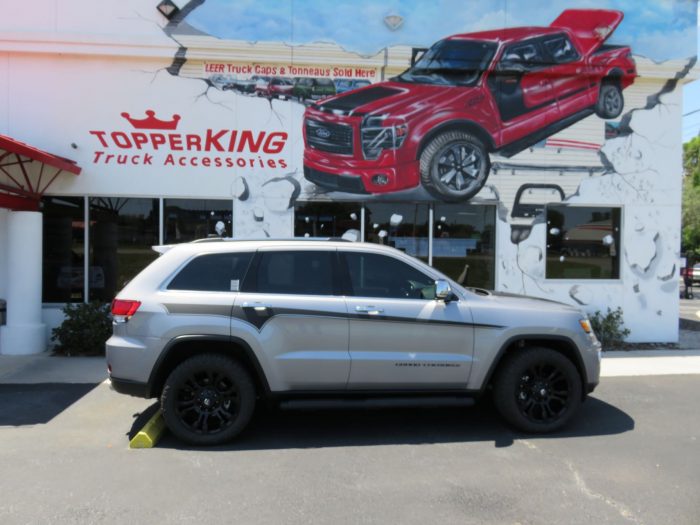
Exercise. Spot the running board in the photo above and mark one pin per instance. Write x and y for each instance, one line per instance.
(376, 403)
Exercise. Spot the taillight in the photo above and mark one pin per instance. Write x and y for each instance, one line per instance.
(123, 309)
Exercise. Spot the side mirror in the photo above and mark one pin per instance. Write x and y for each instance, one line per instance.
(443, 290)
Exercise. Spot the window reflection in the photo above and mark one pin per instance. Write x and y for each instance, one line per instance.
(64, 249)
(122, 232)
(190, 219)
(583, 243)
(403, 226)
(464, 243)
(327, 219)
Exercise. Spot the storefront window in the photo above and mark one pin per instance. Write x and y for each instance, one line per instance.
(64, 249)
(583, 243)
(122, 232)
(190, 219)
(401, 225)
(327, 219)
(464, 243)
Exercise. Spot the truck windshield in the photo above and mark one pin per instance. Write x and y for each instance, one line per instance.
(451, 62)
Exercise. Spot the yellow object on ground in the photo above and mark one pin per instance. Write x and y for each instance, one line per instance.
(149, 435)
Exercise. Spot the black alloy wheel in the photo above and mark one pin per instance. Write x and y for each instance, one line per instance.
(537, 390)
(207, 400)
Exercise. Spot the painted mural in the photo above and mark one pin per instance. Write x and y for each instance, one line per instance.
(558, 118)
(522, 108)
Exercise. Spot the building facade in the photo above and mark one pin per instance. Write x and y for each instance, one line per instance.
(530, 149)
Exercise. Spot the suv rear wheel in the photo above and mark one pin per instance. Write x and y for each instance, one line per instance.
(454, 166)
(207, 400)
(537, 390)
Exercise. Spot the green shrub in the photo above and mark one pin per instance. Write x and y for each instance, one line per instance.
(84, 331)
(609, 328)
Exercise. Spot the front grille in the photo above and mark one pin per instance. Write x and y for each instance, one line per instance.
(326, 136)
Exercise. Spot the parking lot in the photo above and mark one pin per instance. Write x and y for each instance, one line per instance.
(632, 456)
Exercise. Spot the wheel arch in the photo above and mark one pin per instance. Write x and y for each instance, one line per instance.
(560, 344)
(182, 347)
(614, 76)
(468, 126)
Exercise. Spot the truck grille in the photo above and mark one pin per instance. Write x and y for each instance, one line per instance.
(326, 136)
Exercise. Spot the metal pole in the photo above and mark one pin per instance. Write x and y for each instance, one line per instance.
(86, 247)
(430, 235)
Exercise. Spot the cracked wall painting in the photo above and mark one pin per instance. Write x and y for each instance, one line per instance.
(540, 104)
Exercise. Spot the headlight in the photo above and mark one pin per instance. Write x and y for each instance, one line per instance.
(377, 135)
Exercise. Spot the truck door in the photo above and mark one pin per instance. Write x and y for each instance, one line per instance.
(521, 85)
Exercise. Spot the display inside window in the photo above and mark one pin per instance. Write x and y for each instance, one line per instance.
(583, 243)
(464, 243)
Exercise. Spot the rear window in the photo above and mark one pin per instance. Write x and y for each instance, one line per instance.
(213, 272)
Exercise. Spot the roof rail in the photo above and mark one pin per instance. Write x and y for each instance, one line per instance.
(270, 239)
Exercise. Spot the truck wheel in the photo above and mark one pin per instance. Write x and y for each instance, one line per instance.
(537, 390)
(207, 400)
(610, 101)
(454, 166)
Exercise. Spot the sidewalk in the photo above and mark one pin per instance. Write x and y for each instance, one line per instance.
(44, 368)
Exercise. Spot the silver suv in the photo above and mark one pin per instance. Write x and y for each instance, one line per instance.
(214, 327)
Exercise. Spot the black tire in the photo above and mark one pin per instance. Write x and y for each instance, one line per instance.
(454, 166)
(537, 390)
(610, 101)
(207, 400)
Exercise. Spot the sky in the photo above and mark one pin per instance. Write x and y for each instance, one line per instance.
(691, 103)
(658, 29)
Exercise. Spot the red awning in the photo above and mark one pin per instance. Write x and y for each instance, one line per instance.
(21, 189)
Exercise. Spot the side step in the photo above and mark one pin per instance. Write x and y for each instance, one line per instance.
(376, 402)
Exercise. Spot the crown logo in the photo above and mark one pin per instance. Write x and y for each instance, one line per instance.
(151, 122)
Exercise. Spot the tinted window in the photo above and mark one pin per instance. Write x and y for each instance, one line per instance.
(373, 275)
(527, 54)
(583, 243)
(300, 273)
(215, 272)
(560, 49)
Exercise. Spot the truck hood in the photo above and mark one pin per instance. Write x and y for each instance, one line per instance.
(528, 301)
(398, 99)
(590, 27)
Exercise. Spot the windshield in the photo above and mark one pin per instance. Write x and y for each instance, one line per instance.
(451, 62)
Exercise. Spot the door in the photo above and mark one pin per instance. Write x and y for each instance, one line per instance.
(571, 80)
(291, 299)
(400, 336)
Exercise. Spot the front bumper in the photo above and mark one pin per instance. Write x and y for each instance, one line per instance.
(339, 173)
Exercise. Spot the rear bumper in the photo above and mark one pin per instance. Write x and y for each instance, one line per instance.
(131, 388)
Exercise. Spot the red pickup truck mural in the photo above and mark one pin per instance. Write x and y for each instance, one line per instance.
(467, 96)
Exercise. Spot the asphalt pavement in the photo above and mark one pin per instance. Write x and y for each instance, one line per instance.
(632, 456)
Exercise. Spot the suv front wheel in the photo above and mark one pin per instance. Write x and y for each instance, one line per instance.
(207, 400)
(537, 390)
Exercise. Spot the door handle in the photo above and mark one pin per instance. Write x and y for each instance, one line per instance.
(371, 310)
(258, 307)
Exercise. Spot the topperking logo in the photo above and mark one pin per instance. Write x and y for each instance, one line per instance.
(156, 142)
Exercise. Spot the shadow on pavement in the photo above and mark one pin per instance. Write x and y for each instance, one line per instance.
(275, 429)
(34, 404)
